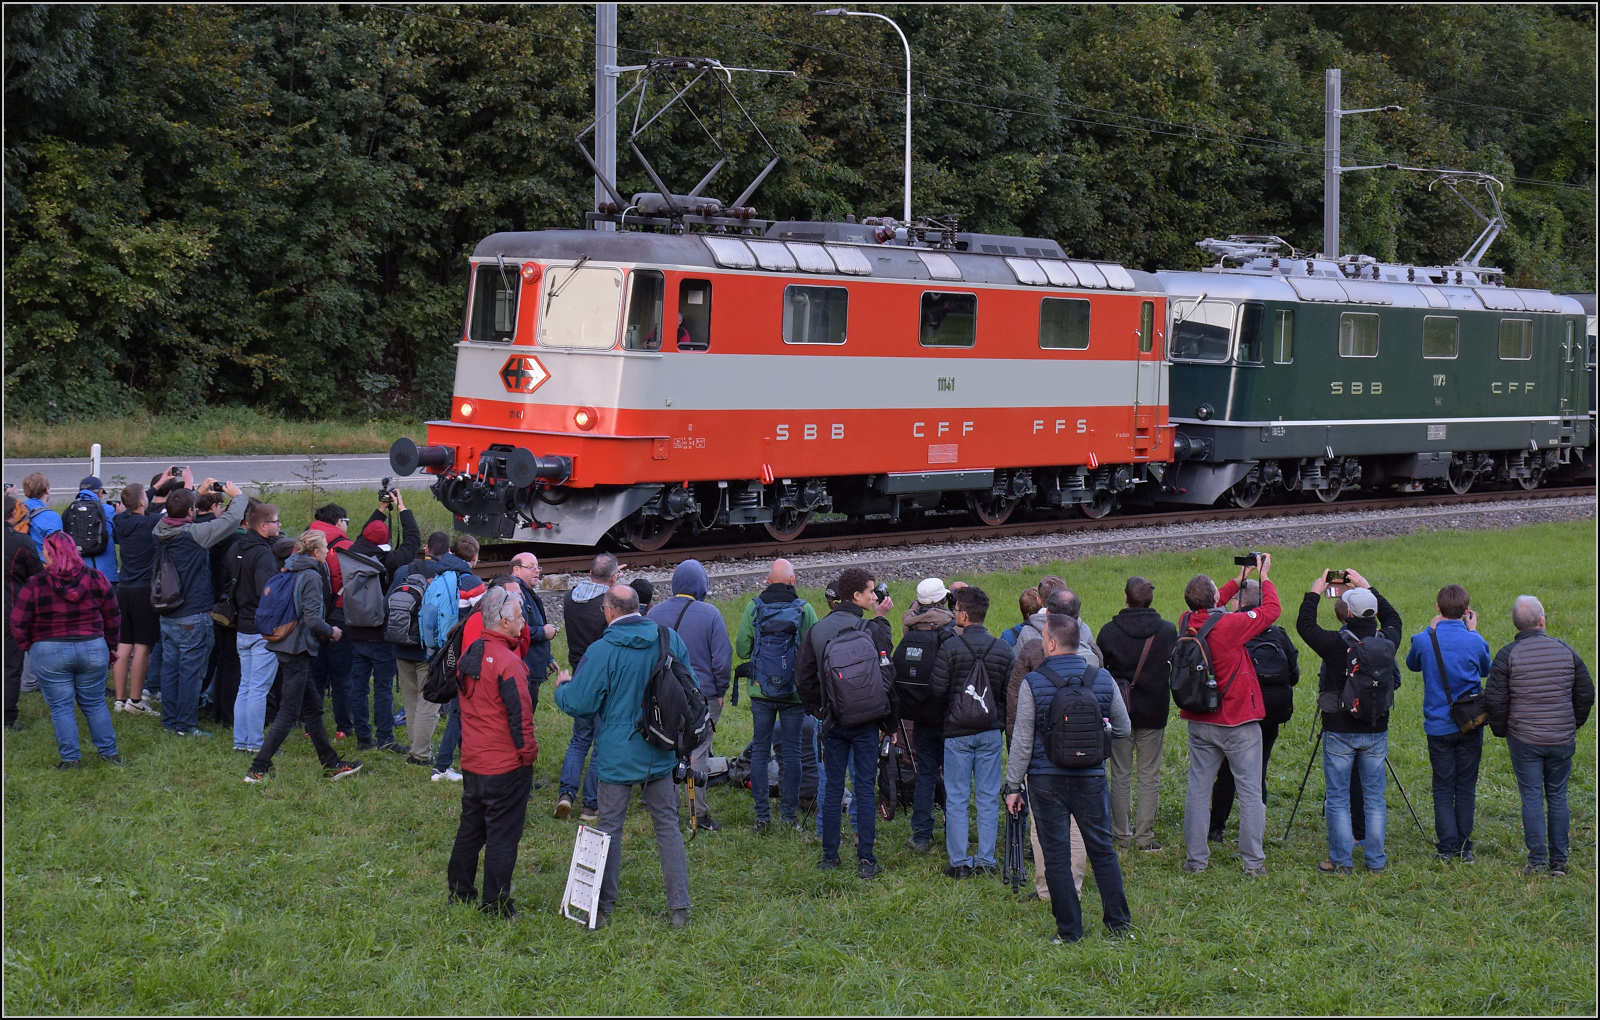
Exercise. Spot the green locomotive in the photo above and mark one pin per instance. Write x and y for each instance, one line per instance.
(1295, 373)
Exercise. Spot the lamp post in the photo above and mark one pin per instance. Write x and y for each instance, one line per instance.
(838, 12)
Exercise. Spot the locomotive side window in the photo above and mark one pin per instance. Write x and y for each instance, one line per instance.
(815, 315)
(948, 320)
(1250, 333)
(1358, 335)
(1147, 327)
(1571, 346)
(580, 307)
(647, 292)
(1441, 336)
(1202, 332)
(694, 315)
(1516, 339)
(494, 303)
(1283, 338)
(1064, 324)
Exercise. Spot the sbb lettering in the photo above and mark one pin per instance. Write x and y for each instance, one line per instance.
(811, 432)
(1373, 389)
(783, 432)
(836, 431)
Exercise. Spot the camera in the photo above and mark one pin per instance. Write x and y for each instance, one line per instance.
(881, 591)
(682, 772)
(1338, 577)
(218, 486)
(386, 493)
(1252, 559)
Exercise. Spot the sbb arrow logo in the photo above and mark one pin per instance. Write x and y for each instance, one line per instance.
(522, 373)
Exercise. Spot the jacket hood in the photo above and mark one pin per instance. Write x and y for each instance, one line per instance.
(587, 590)
(450, 561)
(73, 587)
(283, 547)
(778, 593)
(166, 529)
(250, 539)
(1137, 623)
(636, 632)
(300, 561)
(331, 530)
(928, 617)
(690, 579)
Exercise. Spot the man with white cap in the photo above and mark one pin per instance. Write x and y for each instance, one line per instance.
(927, 625)
(1350, 746)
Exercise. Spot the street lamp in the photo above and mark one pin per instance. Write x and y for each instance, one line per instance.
(838, 12)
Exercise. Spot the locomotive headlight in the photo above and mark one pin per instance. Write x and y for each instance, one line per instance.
(585, 418)
(467, 410)
(530, 271)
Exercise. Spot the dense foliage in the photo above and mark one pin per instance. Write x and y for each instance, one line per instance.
(272, 205)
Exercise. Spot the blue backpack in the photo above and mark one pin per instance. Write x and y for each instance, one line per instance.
(277, 613)
(441, 610)
(777, 627)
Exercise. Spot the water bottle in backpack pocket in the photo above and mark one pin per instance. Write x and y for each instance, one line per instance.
(1193, 679)
(853, 689)
(777, 640)
(1076, 737)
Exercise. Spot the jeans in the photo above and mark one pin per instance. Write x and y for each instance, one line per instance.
(1360, 754)
(185, 651)
(152, 671)
(927, 743)
(330, 671)
(1542, 772)
(822, 779)
(786, 718)
(1222, 793)
(701, 753)
(572, 770)
(1056, 800)
(422, 715)
(860, 744)
(451, 739)
(972, 774)
(1455, 758)
(13, 690)
(258, 667)
(661, 802)
(374, 660)
(74, 673)
(299, 702)
(493, 811)
(1147, 745)
(1213, 747)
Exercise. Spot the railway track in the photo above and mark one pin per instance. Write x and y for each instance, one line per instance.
(841, 538)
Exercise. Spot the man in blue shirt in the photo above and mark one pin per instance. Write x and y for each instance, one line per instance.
(1451, 670)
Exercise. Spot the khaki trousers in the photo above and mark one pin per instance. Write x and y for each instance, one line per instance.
(422, 715)
(1146, 745)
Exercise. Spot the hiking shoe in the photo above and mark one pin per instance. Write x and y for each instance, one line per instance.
(1558, 869)
(957, 871)
(1151, 847)
(419, 759)
(1330, 868)
(1194, 869)
(867, 870)
(985, 871)
(140, 707)
(921, 846)
(826, 864)
(254, 776)
(563, 807)
(1527, 869)
(112, 759)
(679, 917)
(589, 814)
(762, 827)
(366, 745)
(1468, 858)
(706, 823)
(62, 766)
(342, 770)
(1261, 872)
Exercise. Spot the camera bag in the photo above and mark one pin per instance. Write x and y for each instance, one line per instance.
(1469, 711)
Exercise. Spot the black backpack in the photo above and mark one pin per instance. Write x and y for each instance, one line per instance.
(449, 664)
(1369, 678)
(1267, 656)
(913, 666)
(166, 584)
(1193, 680)
(853, 690)
(972, 705)
(85, 523)
(675, 717)
(1075, 734)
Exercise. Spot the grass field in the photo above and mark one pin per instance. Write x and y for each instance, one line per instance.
(212, 432)
(170, 886)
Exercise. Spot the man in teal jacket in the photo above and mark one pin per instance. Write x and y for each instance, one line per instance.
(608, 687)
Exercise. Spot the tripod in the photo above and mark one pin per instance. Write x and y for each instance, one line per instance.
(1307, 776)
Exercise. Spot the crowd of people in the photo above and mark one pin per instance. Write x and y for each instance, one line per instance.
(189, 597)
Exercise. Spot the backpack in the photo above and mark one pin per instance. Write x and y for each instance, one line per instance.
(85, 523)
(674, 717)
(451, 663)
(1075, 733)
(777, 627)
(972, 705)
(364, 604)
(913, 665)
(402, 623)
(277, 613)
(166, 584)
(441, 607)
(1266, 654)
(853, 689)
(1193, 679)
(1368, 691)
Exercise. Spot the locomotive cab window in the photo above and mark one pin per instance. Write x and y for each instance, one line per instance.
(580, 307)
(1064, 324)
(1516, 339)
(1358, 335)
(948, 320)
(815, 315)
(646, 295)
(1283, 338)
(694, 315)
(1202, 332)
(494, 303)
(1441, 336)
(1250, 321)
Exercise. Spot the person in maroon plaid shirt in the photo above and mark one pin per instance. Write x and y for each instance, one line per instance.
(68, 621)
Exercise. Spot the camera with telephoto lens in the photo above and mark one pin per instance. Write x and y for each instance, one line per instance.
(881, 591)
(682, 772)
(386, 492)
(1248, 560)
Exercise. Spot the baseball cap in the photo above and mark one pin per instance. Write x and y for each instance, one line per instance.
(931, 591)
(1361, 602)
(91, 483)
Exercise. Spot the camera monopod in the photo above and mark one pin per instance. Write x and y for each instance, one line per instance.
(1014, 872)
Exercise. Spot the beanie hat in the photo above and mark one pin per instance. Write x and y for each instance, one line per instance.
(376, 532)
(931, 591)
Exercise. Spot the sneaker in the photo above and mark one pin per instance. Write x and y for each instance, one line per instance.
(826, 864)
(563, 807)
(254, 776)
(1468, 858)
(141, 707)
(679, 917)
(921, 846)
(400, 717)
(242, 750)
(119, 706)
(957, 871)
(1330, 868)
(1215, 837)
(153, 697)
(867, 870)
(706, 823)
(602, 919)
(63, 766)
(1370, 871)
(1527, 869)
(438, 774)
(394, 747)
(589, 814)
(1151, 847)
(116, 759)
(1194, 869)
(454, 776)
(1122, 932)
(341, 770)
(1558, 869)
(419, 759)
(1261, 872)
(1447, 858)
(366, 745)
(762, 827)
(197, 732)
(1057, 940)
(985, 871)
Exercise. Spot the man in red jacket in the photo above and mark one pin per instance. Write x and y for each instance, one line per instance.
(1230, 737)
(498, 750)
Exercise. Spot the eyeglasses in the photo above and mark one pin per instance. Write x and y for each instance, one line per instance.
(273, 521)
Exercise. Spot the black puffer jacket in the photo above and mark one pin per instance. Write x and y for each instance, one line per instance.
(1539, 690)
(954, 664)
(1121, 640)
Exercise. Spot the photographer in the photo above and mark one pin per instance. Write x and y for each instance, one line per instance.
(1351, 744)
(609, 688)
(365, 611)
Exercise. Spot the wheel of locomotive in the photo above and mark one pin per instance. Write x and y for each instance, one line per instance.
(649, 533)
(1459, 478)
(1103, 503)
(991, 509)
(787, 523)
(1247, 492)
(1532, 480)
(1331, 493)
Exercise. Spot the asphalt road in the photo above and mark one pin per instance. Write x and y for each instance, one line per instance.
(343, 471)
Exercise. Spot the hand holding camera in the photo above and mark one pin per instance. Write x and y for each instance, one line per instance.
(884, 602)
(389, 496)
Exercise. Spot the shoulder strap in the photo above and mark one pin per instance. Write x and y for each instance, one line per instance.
(1444, 678)
(1143, 654)
(1213, 617)
(686, 604)
(1349, 638)
(1057, 679)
